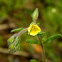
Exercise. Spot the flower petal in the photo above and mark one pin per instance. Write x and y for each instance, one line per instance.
(34, 29)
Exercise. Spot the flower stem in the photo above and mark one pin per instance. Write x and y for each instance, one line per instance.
(23, 31)
(43, 52)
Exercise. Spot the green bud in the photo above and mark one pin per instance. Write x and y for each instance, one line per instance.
(17, 43)
(12, 48)
(11, 39)
(35, 15)
(17, 47)
(17, 40)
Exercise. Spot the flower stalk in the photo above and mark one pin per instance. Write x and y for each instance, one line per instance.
(23, 31)
(43, 52)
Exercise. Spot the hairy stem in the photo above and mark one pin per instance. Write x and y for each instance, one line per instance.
(23, 31)
(43, 52)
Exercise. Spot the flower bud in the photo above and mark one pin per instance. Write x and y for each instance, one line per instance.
(11, 39)
(12, 48)
(35, 15)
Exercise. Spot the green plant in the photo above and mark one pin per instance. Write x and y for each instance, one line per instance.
(33, 30)
(33, 60)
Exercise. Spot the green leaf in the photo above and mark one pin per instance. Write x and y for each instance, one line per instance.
(17, 30)
(41, 33)
(33, 60)
(43, 39)
(32, 41)
(53, 37)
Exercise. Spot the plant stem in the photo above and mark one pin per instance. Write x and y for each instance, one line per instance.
(43, 52)
(23, 31)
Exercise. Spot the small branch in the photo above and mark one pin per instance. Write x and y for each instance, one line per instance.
(23, 31)
(43, 52)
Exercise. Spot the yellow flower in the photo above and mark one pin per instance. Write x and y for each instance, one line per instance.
(34, 29)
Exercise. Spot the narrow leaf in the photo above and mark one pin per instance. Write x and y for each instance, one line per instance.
(53, 37)
(41, 33)
(32, 41)
(17, 30)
